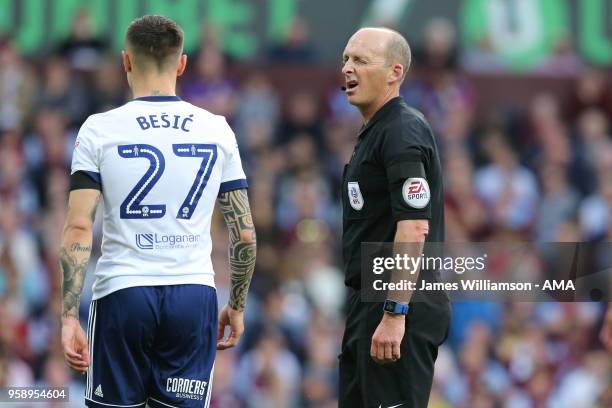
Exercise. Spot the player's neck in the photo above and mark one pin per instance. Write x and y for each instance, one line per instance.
(158, 85)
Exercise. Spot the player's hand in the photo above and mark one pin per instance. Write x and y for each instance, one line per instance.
(387, 338)
(606, 330)
(235, 320)
(74, 343)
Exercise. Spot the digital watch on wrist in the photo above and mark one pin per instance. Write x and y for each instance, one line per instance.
(395, 308)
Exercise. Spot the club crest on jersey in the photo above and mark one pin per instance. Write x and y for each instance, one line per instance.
(416, 192)
(354, 195)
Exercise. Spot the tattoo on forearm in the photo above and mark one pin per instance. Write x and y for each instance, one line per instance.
(76, 247)
(74, 265)
(235, 208)
(74, 258)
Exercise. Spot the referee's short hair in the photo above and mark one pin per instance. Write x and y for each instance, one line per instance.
(398, 51)
(154, 40)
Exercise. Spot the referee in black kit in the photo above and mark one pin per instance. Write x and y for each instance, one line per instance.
(391, 192)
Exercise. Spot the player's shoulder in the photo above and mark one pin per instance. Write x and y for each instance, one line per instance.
(103, 126)
(210, 123)
(90, 127)
(205, 117)
(106, 118)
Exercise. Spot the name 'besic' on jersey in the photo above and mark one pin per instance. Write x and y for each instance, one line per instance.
(165, 121)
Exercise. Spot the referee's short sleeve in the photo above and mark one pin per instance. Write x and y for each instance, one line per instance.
(405, 165)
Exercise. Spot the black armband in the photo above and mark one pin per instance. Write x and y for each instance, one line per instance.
(85, 180)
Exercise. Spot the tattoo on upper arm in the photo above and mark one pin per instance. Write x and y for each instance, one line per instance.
(235, 208)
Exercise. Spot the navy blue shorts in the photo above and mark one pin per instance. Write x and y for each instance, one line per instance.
(152, 345)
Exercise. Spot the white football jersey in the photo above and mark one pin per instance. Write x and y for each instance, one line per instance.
(161, 162)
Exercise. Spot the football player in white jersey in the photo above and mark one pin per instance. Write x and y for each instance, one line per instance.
(159, 164)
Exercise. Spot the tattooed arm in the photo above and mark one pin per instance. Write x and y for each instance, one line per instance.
(237, 214)
(235, 208)
(76, 247)
(74, 257)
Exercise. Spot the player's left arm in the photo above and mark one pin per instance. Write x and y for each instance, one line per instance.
(236, 212)
(74, 257)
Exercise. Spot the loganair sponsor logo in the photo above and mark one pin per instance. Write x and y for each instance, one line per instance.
(186, 388)
(145, 241)
(166, 241)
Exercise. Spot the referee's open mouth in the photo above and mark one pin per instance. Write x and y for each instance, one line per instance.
(351, 85)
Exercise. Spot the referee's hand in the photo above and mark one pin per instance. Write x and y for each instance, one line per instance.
(387, 338)
(74, 343)
(235, 320)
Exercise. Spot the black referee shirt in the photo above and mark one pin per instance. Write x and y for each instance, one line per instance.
(394, 174)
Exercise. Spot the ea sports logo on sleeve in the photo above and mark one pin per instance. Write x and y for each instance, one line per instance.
(416, 192)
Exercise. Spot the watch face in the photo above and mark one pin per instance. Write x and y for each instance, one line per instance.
(389, 307)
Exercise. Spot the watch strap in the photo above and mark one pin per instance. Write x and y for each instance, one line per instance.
(396, 308)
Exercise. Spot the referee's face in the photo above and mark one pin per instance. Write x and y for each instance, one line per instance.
(365, 68)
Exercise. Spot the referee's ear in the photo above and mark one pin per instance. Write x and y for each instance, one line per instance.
(396, 74)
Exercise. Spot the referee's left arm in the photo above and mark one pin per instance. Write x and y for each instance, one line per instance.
(409, 240)
(405, 161)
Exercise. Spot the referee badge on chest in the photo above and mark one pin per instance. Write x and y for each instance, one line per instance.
(354, 195)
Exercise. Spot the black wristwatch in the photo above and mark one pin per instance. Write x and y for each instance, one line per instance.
(395, 308)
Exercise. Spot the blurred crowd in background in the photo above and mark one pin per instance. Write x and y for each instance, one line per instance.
(540, 171)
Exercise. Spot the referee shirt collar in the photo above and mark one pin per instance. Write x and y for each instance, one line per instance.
(158, 98)
(381, 113)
